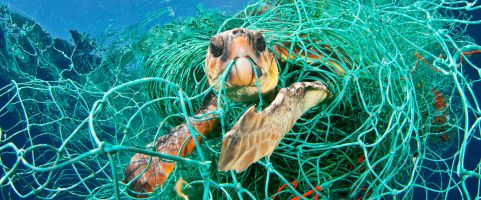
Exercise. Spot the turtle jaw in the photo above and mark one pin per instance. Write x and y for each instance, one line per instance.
(267, 82)
(251, 65)
(244, 72)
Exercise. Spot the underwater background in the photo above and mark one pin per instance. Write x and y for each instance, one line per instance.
(94, 33)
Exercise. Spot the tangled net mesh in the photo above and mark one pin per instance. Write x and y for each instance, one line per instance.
(399, 122)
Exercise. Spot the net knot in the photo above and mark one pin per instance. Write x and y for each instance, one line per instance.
(299, 149)
(269, 167)
(102, 146)
(20, 153)
(238, 186)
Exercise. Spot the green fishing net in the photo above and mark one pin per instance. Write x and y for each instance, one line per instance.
(399, 122)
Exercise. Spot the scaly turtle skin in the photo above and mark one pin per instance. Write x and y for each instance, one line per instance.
(255, 135)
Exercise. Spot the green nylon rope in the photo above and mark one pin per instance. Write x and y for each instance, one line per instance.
(403, 113)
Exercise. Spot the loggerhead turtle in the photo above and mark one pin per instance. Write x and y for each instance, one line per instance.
(253, 70)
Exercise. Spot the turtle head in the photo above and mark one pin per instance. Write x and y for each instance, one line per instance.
(247, 50)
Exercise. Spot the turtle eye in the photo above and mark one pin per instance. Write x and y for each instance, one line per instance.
(260, 43)
(216, 46)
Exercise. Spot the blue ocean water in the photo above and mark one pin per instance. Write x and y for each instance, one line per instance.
(97, 18)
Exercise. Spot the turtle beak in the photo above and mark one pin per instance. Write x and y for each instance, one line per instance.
(242, 72)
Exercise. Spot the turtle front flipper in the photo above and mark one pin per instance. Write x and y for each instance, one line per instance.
(256, 135)
(144, 173)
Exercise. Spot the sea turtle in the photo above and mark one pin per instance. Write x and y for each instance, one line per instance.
(241, 57)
